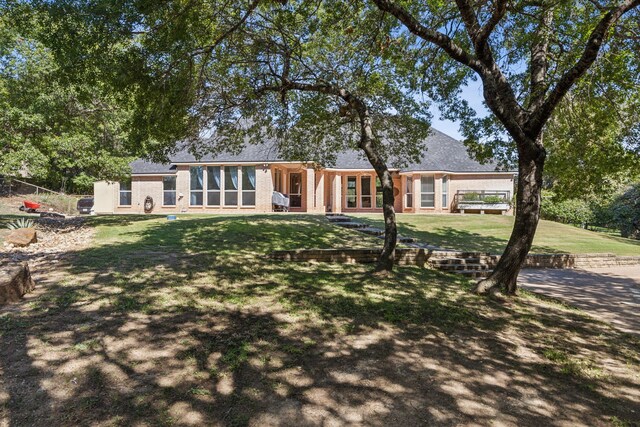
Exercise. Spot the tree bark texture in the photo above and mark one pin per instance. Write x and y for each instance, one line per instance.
(505, 275)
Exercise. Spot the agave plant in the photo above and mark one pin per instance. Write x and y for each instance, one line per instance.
(20, 223)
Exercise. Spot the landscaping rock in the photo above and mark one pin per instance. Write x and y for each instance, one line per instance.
(15, 281)
(22, 237)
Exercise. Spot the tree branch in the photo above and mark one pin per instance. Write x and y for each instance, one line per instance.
(441, 40)
(589, 55)
(539, 60)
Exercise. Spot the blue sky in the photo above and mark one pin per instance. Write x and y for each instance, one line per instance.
(472, 93)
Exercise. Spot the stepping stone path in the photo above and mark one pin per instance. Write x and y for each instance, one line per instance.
(468, 264)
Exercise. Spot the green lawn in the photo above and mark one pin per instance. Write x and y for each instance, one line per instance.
(490, 233)
(188, 322)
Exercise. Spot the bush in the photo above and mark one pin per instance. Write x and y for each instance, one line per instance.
(493, 199)
(625, 212)
(570, 211)
(470, 197)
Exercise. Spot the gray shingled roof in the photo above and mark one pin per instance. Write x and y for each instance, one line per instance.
(443, 153)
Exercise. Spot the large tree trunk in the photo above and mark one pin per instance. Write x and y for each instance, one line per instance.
(505, 275)
(388, 254)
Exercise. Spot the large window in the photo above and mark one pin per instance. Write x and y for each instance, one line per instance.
(379, 198)
(196, 186)
(427, 190)
(409, 193)
(125, 193)
(213, 185)
(168, 190)
(365, 190)
(352, 192)
(248, 186)
(445, 192)
(231, 186)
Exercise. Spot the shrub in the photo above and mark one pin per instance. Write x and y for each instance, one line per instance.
(470, 197)
(493, 199)
(625, 212)
(570, 211)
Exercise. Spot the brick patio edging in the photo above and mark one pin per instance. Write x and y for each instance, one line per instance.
(417, 256)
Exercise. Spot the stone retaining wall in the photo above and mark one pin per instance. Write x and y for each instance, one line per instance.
(414, 256)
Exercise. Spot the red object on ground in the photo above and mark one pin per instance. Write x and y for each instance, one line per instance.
(30, 205)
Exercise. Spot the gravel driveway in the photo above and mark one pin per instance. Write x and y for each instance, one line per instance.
(610, 294)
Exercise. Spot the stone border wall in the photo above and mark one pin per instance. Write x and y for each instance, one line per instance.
(415, 256)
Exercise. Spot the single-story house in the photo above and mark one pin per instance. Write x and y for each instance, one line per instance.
(446, 180)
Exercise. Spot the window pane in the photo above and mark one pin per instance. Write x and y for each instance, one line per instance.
(248, 178)
(231, 198)
(231, 179)
(366, 201)
(213, 198)
(196, 198)
(196, 177)
(295, 201)
(365, 185)
(409, 200)
(378, 193)
(295, 183)
(409, 188)
(125, 198)
(351, 201)
(169, 198)
(248, 198)
(351, 185)
(125, 186)
(213, 177)
(426, 183)
(428, 200)
(444, 201)
(168, 183)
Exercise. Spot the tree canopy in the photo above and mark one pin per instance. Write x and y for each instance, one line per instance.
(62, 135)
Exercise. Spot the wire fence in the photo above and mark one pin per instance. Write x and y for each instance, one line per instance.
(49, 200)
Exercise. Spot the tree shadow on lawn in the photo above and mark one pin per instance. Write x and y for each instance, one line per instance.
(457, 239)
(224, 335)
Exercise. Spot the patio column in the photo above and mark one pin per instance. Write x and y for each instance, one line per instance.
(309, 191)
(320, 177)
(336, 198)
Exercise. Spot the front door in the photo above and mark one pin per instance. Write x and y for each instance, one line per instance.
(295, 190)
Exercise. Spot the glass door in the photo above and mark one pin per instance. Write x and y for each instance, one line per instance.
(295, 190)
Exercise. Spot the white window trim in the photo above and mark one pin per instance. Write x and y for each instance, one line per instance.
(120, 191)
(223, 189)
(422, 206)
(241, 186)
(204, 177)
(166, 191)
(445, 192)
(207, 191)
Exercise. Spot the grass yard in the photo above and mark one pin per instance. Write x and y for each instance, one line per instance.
(188, 323)
(490, 233)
